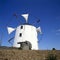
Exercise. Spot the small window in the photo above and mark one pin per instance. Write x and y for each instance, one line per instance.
(21, 27)
(20, 34)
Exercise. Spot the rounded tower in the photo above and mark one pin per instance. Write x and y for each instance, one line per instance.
(24, 33)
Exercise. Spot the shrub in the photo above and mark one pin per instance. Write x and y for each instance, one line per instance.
(51, 57)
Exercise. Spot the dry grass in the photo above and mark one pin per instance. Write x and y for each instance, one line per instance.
(15, 54)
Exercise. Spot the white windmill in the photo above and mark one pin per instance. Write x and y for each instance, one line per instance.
(25, 32)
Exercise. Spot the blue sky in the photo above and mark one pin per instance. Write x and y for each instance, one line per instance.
(48, 11)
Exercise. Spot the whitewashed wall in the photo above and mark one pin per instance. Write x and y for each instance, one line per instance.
(29, 33)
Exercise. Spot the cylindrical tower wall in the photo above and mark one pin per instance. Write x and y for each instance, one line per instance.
(26, 33)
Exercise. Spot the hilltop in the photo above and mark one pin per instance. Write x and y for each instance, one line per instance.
(16, 54)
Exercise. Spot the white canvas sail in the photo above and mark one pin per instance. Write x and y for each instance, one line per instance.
(39, 30)
(10, 30)
(25, 16)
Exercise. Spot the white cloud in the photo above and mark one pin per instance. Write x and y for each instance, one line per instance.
(58, 30)
(57, 33)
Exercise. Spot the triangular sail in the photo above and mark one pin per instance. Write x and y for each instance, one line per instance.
(25, 16)
(39, 30)
(10, 30)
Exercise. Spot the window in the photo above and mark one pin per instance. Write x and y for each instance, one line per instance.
(21, 27)
(20, 34)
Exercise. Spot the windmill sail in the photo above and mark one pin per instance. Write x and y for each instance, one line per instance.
(25, 16)
(39, 30)
(10, 30)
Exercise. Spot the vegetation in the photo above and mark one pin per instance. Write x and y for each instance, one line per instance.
(51, 57)
(53, 49)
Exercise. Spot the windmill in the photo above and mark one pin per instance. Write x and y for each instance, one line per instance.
(25, 33)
